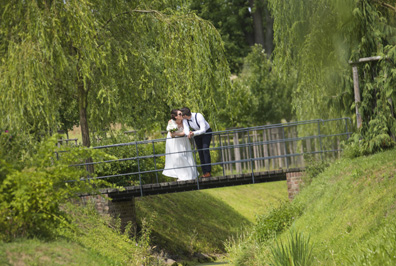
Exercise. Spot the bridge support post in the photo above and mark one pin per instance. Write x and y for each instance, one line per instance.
(294, 181)
(125, 210)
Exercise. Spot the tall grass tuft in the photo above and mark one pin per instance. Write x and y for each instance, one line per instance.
(295, 251)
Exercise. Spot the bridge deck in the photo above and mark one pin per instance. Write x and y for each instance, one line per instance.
(202, 183)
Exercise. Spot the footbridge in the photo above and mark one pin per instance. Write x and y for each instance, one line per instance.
(239, 156)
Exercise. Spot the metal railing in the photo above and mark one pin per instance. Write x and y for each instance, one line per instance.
(234, 151)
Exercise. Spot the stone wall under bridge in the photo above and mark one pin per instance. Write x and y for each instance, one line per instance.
(294, 182)
(123, 209)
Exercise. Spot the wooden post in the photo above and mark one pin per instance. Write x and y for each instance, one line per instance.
(278, 137)
(247, 153)
(223, 155)
(272, 148)
(356, 84)
(308, 143)
(291, 146)
(302, 152)
(256, 151)
(357, 95)
(230, 167)
(265, 147)
(237, 153)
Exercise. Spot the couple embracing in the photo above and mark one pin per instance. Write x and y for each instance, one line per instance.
(179, 160)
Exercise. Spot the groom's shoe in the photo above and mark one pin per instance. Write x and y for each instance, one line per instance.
(207, 175)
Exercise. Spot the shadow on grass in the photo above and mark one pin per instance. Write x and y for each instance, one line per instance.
(189, 222)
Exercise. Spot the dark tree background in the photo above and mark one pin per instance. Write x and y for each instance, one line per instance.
(241, 24)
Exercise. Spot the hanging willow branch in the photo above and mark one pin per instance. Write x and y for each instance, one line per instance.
(393, 8)
(130, 12)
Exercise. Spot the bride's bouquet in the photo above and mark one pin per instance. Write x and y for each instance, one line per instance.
(172, 126)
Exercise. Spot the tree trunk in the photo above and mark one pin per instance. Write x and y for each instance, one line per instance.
(257, 23)
(269, 32)
(82, 105)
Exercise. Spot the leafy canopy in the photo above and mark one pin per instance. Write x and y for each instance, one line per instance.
(314, 42)
(126, 62)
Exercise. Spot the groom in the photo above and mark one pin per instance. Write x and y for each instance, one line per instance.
(197, 122)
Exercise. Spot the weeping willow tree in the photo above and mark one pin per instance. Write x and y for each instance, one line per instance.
(106, 62)
(315, 40)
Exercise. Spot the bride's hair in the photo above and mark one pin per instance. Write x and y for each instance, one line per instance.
(174, 114)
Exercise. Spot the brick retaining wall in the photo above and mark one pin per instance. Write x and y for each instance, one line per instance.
(125, 210)
(293, 183)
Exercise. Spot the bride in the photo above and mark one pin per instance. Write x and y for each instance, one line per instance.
(178, 150)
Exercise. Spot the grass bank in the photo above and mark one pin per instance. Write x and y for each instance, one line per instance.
(348, 213)
(200, 221)
(181, 224)
(91, 240)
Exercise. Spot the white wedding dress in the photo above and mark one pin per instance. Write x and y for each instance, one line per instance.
(181, 156)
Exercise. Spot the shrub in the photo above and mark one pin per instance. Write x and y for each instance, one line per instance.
(313, 168)
(275, 221)
(359, 145)
(13, 148)
(30, 198)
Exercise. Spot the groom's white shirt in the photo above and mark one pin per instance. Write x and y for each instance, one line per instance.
(198, 130)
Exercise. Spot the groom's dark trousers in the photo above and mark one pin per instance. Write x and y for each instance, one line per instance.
(203, 143)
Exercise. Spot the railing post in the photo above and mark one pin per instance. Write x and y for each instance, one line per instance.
(278, 145)
(222, 155)
(155, 163)
(284, 144)
(195, 160)
(250, 155)
(265, 147)
(346, 127)
(237, 153)
(229, 165)
(140, 175)
(320, 142)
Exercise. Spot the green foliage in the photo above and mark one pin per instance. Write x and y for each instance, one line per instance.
(234, 22)
(313, 168)
(295, 250)
(258, 86)
(13, 148)
(30, 198)
(275, 221)
(369, 144)
(314, 42)
(109, 65)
